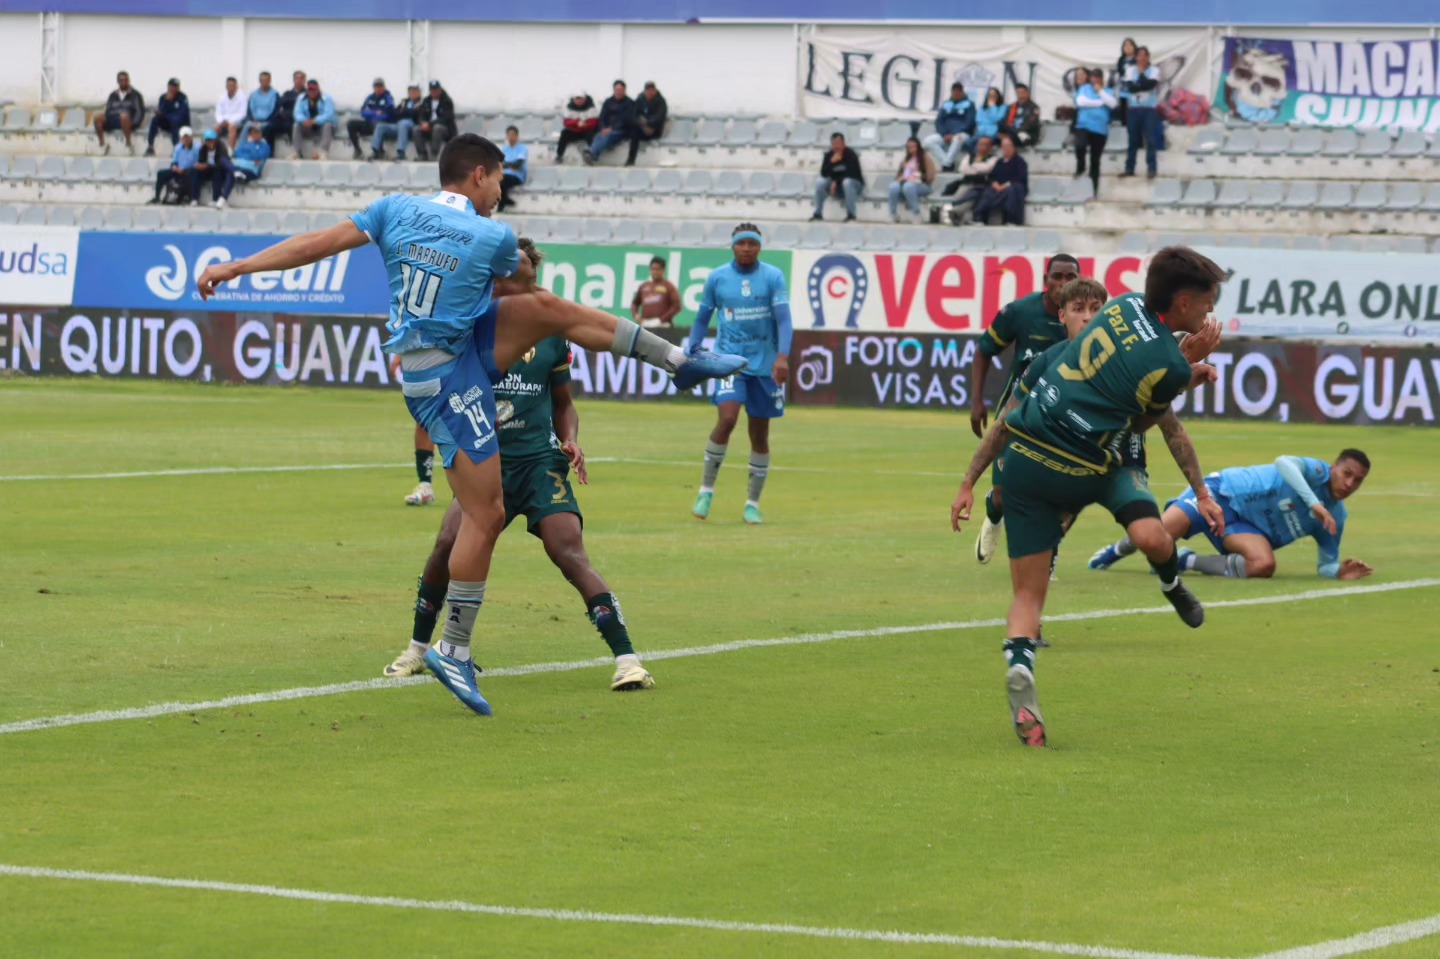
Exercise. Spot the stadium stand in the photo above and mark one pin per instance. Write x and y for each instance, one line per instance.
(1271, 187)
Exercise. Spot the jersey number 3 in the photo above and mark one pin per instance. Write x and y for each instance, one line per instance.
(418, 290)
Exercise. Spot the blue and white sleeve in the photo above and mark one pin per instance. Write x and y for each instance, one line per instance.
(507, 254)
(371, 220)
(1292, 471)
(780, 307)
(1327, 554)
(702, 316)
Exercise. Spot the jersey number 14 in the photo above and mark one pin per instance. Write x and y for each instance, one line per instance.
(418, 290)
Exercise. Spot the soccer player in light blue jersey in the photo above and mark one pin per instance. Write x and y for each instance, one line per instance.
(1266, 508)
(754, 308)
(442, 256)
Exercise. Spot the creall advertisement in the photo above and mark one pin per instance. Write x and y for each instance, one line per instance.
(1388, 83)
(1334, 296)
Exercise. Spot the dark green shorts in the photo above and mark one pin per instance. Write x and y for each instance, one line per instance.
(1042, 489)
(537, 487)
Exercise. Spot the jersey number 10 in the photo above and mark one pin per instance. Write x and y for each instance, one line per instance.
(418, 290)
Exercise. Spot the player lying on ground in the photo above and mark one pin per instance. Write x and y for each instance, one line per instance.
(1032, 325)
(754, 309)
(1120, 374)
(539, 445)
(1262, 515)
(442, 255)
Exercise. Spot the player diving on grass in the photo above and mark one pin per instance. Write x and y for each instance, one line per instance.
(1032, 325)
(442, 255)
(1119, 375)
(754, 309)
(1266, 508)
(539, 446)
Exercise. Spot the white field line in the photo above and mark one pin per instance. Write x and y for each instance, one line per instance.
(1382, 938)
(581, 915)
(309, 692)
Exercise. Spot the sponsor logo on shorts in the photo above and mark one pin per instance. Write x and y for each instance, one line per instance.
(473, 394)
(456, 403)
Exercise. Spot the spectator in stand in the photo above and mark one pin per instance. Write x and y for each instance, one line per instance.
(124, 109)
(516, 165)
(1080, 76)
(840, 177)
(912, 180)
(250, 155)
(617, 117)
(1126, 60)
(657, 302)
(172, 111)
(650, 113)
(1009, 183)
(214, 165)
(260, 108)
(1142, 85)
(314, 117)
(954, 123)
(437, 122)
(974, 181)
(230, 111)
(1022, 118)
(282, 121)
(580, 121)
(407, 115)
(1093, 103)
(182, 161)
(378, 108)
(987, 119)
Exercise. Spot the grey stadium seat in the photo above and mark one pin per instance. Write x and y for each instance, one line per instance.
(308, 174)
(1010, 241)
(635, 180)
(120, 218)
(17, 118)
(1335, 196)
(365, 177)
(147, 219)
(1077, 191)
(1308, 142)
(573, 180)
(395, 177)
(697, 183)
(108, 170)
(22, 168)
(74, 119)
(727, 183)
(1273, 142)
(1266, 194)
(682, 130)
(915, 241)
(1410, 143)
(718, 233)
(881, 238)
(1404, 196)
(804, 134)
(667, 182)
(205, 220)
(295, 222)
(851, 236)
(710, 133)
(816, 236)
(1233, 193)
(1374, 143)
(894, 134)
(1241, 143)
(1302, 195)
(338, 175)
(1135, 243)
(45, 120)
(1044, 189)
(761, 184)
(1307, 242)
(542, 179)
(742, 133)
(137, 170)
(63, 215)
(1207, 141)
(566, 230)
(32, 215)
(794, 184)
(176, 219)
(862, 134)
(604, 180)
(1053, 137)
(595, 231)
(627, 232)
(234, 221)
(9, 214)
(424, 176)
(691, 233)
(785, 236)
(1200, 193)
(265, 221)
(1410, 244)
(772, 133)
(92, 218)
(660, 232)
(976, 240)
(1370, 196)
(51, 168)
(1340, 143)
(1431, 201)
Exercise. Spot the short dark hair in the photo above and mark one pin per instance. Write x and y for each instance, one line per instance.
(745, 228)
(957, 85)
(528, 247)
(265, 73)
(620, 83)
(837, 133)
(1083, 289)
(231, 80)
(658, 259)
(1356, 455)
(1179, 269)
(1062, 258)
(1022, 86)
(460, 157)
(513, 127)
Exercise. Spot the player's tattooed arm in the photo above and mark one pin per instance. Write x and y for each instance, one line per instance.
(990, 448)
(1183, 451)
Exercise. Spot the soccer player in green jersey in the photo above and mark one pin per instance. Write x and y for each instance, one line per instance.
(539, 445)
(1119, 375)
(1031, 324)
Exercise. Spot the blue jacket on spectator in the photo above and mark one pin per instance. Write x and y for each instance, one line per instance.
(324, 113)
(177, 111)
(955, 118)
(987, 120)
(1092, 109)
(1142, 86)
(379, 109)
(617, 114)
(186, 157)
(263, 104)
(251, 156)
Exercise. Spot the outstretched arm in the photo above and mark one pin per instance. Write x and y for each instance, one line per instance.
(1292, 471)
(286, 255)
(1189, 462)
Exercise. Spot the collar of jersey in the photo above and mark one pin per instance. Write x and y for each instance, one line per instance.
(446, 198)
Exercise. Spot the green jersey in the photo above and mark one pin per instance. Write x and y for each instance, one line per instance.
(1026, 324)
(1125, 365)
(1127, 446)
(523, 403)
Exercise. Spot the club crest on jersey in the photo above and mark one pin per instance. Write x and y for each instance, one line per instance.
(504, 411)
(456, 403)
(529, 356)
(744, 287)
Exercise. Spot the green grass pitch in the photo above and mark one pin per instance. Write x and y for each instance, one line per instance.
(1266, 782)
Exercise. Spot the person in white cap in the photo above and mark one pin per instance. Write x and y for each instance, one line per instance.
(182, 162)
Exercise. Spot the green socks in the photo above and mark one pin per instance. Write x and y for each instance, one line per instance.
(1020, 652)
(604, 611)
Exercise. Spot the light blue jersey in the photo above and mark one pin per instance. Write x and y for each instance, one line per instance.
(441, 259)
(1279, 506)
(754, 310)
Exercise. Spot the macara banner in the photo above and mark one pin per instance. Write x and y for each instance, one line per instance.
(859, 72)
(1326, 83)
(1305, 294)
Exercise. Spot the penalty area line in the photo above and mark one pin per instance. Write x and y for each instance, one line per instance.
(363, 685)
(586, 916)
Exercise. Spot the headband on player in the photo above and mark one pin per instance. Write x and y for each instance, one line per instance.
(746, 235)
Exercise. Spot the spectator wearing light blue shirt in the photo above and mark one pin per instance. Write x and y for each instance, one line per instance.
(954, 123)
(987, 120)
(516, 165)
(264, 101)
(314, 117)
(182, 162)
(1093, 103)
(1142, 86)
